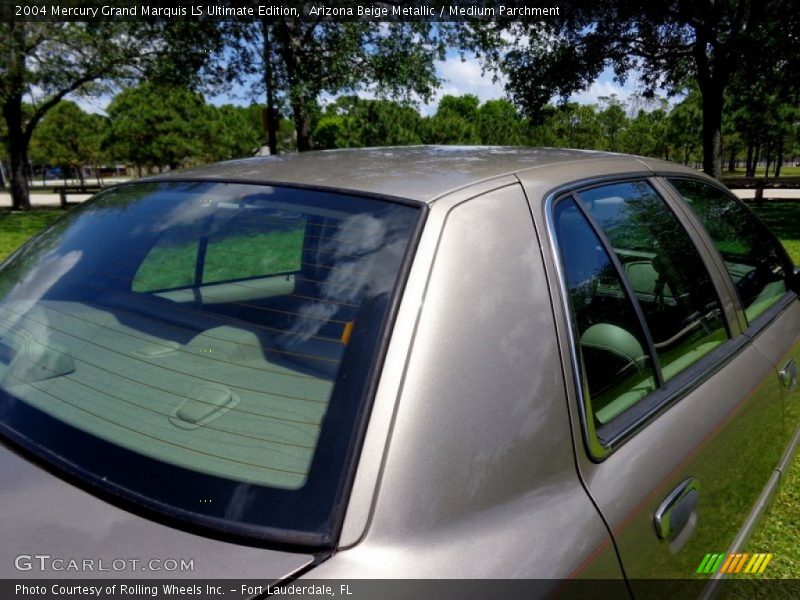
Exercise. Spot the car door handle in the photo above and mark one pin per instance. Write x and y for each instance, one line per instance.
(788, 375)
(677, 511)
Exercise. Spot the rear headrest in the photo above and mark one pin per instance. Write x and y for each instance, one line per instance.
(614, 339)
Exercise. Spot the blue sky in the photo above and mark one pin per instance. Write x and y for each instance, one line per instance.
(459, 77)
(465, 77)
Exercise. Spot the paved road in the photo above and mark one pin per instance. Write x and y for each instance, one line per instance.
(768, 193)
(53, 199)
(43, 199)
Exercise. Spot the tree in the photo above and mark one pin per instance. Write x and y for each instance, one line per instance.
(300, 59)
(95, 143)
(284, 134)
(231, 133)
(646, 134)
(455, 121)
(683, 127)
(351, 122)
(46, 61)
(733, 143)
(670, 42)
(69, 138)
(158, 125)
(763, 103)
(612, 120)
(329, 132)
(576, 126)
(499, 124)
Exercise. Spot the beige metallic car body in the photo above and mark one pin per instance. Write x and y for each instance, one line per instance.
(477, 460)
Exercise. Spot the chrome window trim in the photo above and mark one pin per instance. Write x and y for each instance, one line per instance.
(663, 397)
(596, 450)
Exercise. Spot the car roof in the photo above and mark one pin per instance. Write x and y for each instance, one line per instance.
(415, 172)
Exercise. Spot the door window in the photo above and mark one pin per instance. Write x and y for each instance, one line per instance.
(643, 306)
(618, 369)
(664, 270)
(755, 261)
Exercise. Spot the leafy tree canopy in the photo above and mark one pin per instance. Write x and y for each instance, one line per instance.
(42, 62)
(156, 125)
(299, 60)
(671, 42)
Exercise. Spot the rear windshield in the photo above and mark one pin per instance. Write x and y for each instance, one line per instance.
(206, 345)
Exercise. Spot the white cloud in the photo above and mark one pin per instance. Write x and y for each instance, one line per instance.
(464, 77)
(603, 87)
(92, 104)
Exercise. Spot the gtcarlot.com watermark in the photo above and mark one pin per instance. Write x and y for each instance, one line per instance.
(46, 563)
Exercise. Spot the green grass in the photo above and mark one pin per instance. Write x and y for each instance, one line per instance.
(254, 255)
(779, 533)
(783, 219)
(786, 171)
(15, 228)
(234, 257)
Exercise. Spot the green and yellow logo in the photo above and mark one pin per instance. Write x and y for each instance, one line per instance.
(754, 564)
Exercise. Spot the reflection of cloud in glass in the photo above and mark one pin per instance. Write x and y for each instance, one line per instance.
(35, 285)
(375, 245)
(182, 214)
(240, 502)
(25, 294)
(199, 204)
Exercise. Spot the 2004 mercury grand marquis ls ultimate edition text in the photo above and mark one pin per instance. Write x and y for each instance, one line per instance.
(399, 362)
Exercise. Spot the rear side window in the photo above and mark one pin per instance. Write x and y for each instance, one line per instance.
(643, 305)
(618, 368)
(753, 258)
(664, 270)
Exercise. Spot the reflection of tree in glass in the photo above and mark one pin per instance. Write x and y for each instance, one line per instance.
(730, 227)
(36, 249)
(643, 223)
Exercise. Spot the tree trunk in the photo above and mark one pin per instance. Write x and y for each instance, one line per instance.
(17, 153)
(291, 45)
(20, 194)
(712, 131)
(17, 136)
(303, 128)
(712, 77)
(732, 161)
(769, 159)
(749, 161)
(269, 85)
(756, 158)
(779, 160)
